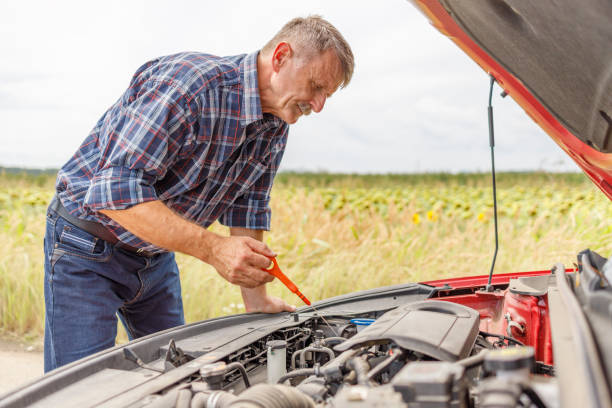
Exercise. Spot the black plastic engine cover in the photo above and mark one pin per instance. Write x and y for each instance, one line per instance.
(442, 330)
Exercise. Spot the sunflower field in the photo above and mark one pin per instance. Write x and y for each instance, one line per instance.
(340, 233)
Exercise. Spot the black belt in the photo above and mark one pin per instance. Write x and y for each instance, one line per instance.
(94, 228)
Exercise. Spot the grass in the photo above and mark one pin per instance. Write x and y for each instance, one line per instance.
(337, 234)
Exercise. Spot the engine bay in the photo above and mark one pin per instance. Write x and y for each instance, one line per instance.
(427, 353)
(529, 339)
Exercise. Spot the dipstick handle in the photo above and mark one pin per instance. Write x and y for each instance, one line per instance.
(276, 272)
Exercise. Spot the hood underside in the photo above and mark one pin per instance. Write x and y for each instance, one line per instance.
(553, 57)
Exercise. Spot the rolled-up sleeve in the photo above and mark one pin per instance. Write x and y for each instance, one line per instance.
(139, 141)
(116, 188)
(248, 213)
(252, 209)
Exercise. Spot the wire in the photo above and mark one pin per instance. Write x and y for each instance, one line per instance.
(502, 337)
(240, 367)
(300, 372)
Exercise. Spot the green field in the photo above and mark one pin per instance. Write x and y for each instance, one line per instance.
(340, 233)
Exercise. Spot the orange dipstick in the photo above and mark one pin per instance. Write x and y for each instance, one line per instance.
(276, 272)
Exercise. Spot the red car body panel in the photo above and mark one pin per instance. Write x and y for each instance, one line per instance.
(528, 314)
(595, 164)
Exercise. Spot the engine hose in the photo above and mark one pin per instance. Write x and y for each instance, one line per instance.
(300, 372)
(315, 350)
(272, 396)
(384, 364)
(217, 399)
(361, 368)
(302, 354)
(333, 340)
(341, 360)
(240, 367)
(184, 399)
(473, 361)
(533, 396)
(199, 400)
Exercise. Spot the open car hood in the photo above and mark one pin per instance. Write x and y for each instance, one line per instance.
(444, 343)
(553, 57)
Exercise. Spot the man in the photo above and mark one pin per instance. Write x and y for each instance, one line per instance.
(195, 138)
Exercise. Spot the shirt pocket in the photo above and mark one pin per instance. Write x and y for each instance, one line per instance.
(251, 171)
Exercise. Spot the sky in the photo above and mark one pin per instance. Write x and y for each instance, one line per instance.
(416, 102)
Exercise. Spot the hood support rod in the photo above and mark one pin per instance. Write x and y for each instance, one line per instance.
(489, 287)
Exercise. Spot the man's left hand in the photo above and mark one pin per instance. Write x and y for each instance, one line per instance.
(257, 300)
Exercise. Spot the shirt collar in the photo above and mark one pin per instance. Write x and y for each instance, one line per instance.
(251, 103)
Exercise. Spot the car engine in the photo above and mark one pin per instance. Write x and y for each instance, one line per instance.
(428, 353)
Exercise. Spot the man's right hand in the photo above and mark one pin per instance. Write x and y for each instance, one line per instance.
(240, 260)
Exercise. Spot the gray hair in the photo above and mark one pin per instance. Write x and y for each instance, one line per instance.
(315, 34)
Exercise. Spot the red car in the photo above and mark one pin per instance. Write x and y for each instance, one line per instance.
(509, 340)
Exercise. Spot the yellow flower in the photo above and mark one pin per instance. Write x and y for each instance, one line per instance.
(415, 218)
(431, 216)
(481, 217)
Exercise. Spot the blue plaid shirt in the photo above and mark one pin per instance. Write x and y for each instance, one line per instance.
(189, 131)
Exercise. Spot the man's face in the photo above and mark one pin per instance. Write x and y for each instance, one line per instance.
(301, 85)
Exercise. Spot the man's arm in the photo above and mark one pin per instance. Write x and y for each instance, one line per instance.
(256, 299)
(238, 259)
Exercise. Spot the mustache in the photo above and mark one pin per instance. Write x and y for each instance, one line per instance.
(305, 108)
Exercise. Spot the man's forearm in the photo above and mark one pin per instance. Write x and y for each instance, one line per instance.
(155, 223)
(245, 232)
(237, 259)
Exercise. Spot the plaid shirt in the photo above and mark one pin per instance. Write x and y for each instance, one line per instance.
(189, 131)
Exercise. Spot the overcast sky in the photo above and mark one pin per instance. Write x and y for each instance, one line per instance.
(416, 102)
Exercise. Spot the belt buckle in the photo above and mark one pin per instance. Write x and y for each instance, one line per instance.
(142, 252)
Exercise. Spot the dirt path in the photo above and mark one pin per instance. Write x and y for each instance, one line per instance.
(19, 363)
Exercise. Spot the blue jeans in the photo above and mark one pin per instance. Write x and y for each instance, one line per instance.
(88, 282)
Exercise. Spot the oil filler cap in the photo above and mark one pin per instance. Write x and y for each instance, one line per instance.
(509, 359)
(214, 374)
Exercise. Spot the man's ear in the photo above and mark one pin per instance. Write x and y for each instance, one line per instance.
(281, 54)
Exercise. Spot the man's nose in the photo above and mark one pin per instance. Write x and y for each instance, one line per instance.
(318, 102)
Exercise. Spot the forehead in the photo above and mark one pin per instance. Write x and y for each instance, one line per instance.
(325, 68)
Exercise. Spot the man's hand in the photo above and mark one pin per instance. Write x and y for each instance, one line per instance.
(256, 300)
(240, 260)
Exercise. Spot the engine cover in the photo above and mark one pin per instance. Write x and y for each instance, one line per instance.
(441, 330)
